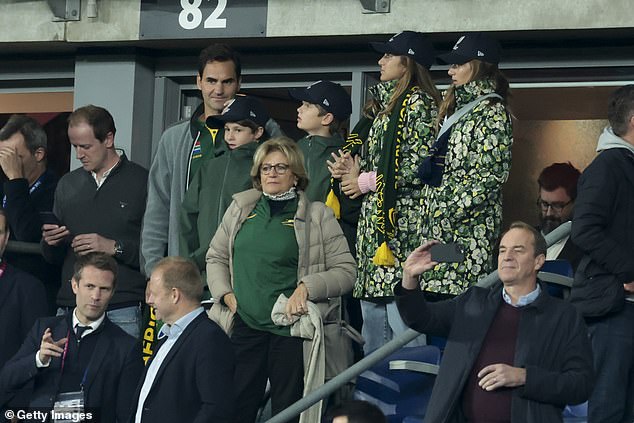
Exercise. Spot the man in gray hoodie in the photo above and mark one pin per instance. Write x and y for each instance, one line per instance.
(603, 227)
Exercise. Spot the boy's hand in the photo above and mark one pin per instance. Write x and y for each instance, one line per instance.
(341, 165)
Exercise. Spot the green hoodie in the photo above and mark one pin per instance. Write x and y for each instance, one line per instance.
(316, 151)
(208, 197)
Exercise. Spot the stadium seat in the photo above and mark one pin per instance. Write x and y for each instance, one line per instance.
(557, 275)
(401, 384)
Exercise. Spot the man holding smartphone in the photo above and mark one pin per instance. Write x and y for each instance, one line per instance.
(100, 207)
(513, 352)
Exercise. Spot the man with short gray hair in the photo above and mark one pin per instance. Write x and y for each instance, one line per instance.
(514, 353)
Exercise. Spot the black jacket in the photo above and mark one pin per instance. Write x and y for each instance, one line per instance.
(114, 370)
(194, 383)
(22, 302)
(603, 223)
(22, 205)
(552, 346)
(114, 211)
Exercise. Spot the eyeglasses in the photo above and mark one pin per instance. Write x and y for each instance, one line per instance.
(556, 207)
(280, 168)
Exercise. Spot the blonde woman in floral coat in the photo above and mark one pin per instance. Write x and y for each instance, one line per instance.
(466, 207)
(404, 109)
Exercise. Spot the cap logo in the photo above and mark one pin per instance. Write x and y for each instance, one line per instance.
(480, 54)
(410, 51)
(252, 114)
(455, 47)
(325, 102)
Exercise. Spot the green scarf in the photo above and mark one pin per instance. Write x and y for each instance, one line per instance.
(386, 180)
(352, 145)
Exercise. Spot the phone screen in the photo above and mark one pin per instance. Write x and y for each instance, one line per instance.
(447, 253)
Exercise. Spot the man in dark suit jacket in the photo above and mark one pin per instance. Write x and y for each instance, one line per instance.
(22, 301)
(556, 202)
(82, 351)
(27, 192)
(190, 377)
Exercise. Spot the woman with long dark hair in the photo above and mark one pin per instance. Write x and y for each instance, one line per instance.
(402, 113)
(468, 164)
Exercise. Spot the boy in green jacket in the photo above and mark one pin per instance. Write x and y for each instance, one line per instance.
(325, 106)
(213, 186)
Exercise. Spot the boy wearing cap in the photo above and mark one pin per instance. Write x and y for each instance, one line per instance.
(220, 177)
(325, 106)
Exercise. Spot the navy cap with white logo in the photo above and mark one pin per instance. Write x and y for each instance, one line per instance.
(476, 45)
(409, 43)
(241, 108)
(329, 95)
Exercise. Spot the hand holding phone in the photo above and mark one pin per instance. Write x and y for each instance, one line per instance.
(447, 253)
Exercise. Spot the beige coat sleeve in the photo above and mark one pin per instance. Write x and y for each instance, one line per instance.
(218, 256)
(332, 270)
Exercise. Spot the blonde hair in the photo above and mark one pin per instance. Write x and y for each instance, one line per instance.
(293, 154)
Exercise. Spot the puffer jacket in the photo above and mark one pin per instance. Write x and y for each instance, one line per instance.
(325, 264)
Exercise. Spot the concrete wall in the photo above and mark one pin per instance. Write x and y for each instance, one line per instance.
(118, 20)
(323, 17)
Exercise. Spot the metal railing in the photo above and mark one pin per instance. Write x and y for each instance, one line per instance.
(395, 344)
(24, 247)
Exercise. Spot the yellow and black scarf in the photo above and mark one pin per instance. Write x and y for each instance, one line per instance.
(386, 180)
(352, 145)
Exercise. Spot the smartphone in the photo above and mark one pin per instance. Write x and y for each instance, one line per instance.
(49, 218)
(447, 253)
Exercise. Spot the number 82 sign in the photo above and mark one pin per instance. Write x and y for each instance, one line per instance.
(169, 19)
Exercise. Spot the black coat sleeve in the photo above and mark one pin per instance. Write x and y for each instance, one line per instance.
(422, 316)
(23, 208)
(595, 207)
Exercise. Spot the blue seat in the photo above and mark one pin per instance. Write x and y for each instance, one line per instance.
(557, 276)
(401, 384)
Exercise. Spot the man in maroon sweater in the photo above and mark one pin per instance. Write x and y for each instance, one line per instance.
(513, 354)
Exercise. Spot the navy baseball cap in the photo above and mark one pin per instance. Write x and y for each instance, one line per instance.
(476, 45)
(241, 108)
(409, 43)
(329, 95)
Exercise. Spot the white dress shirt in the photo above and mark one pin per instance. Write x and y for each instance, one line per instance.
(172, 332)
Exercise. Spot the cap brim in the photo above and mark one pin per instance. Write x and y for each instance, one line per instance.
(300, 94)
(384, 48)
(452, 58)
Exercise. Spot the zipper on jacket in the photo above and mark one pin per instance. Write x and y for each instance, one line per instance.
(219, 215)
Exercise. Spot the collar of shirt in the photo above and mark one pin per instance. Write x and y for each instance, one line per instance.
(105, 174)
(93, 326)
(174, 331)
(523, 300)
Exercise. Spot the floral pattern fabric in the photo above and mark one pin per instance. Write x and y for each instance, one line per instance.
(418, 135)
(467, 207)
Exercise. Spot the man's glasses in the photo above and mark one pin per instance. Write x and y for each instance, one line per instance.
(556, 207)
(280, 168)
